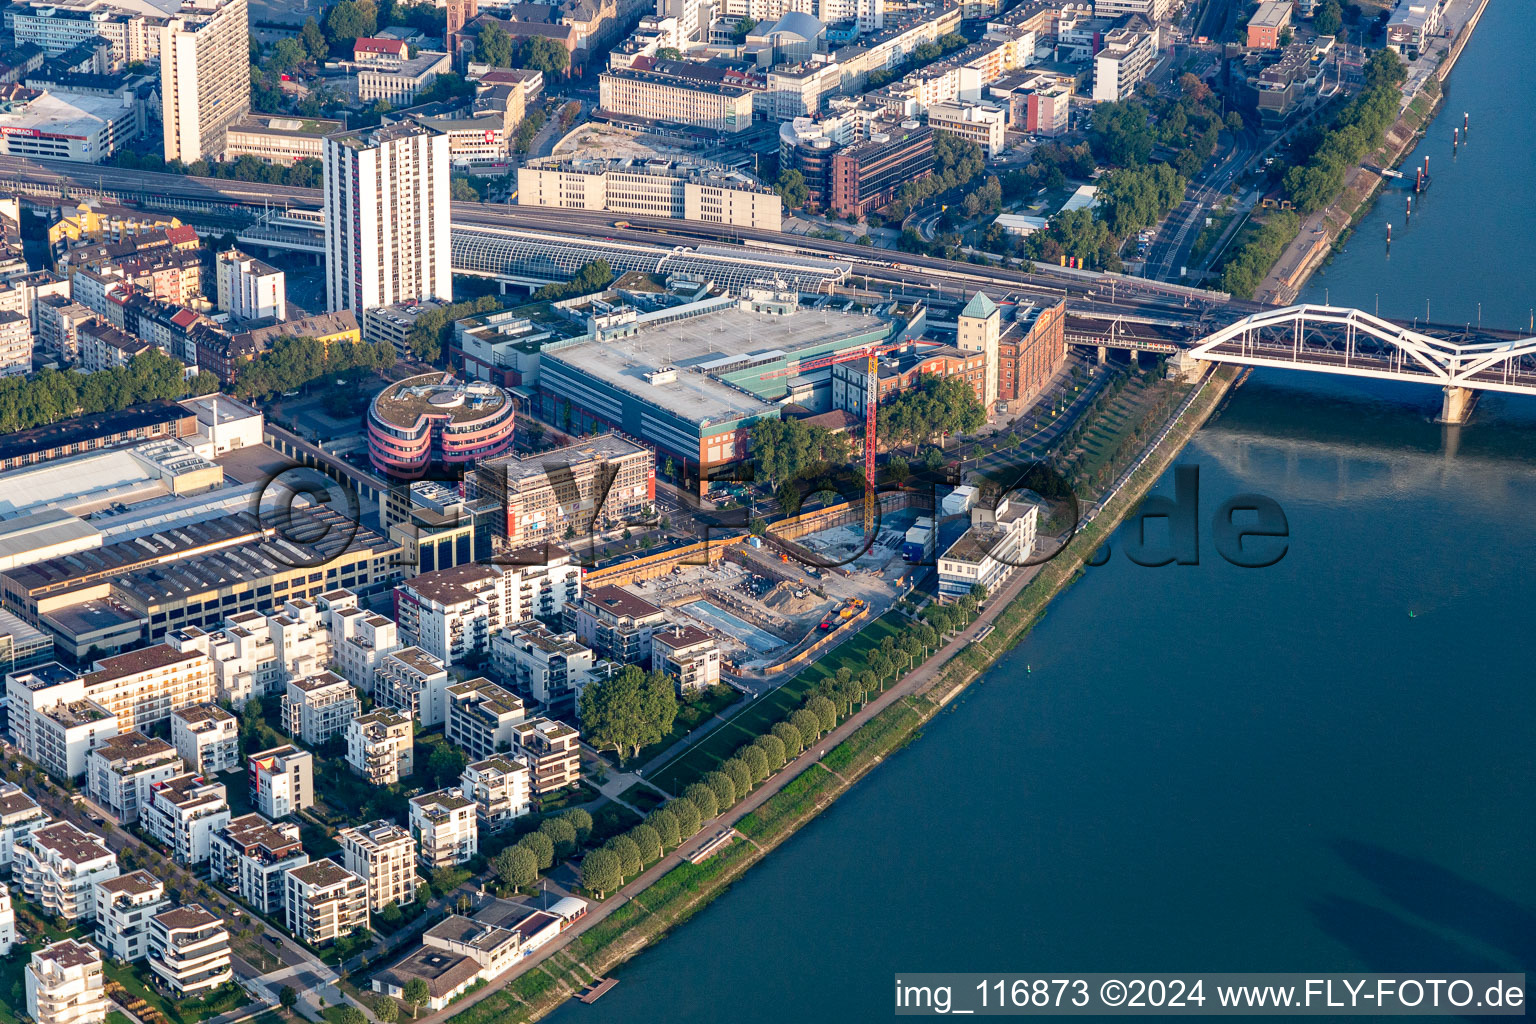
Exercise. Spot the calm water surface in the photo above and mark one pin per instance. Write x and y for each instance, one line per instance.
(1321, 766)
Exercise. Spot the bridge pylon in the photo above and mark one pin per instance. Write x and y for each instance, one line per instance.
(1457, 405)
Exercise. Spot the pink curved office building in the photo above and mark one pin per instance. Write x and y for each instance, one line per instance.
(436, 420)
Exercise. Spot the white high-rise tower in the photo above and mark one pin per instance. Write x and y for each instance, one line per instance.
(205, 76)
(387, 217)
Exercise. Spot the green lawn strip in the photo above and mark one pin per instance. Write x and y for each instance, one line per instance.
(788, 803)
(878, 737)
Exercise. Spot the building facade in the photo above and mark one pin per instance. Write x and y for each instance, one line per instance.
(120, 773)
(501, 788)
(383, 855)
(189, 951)
(207, 737)
(480, 716)
(443, 825)
(66, 984)
(381, 746)
(281, 780)
(552, 751)
(414, 683)
(253, 856)
(690, 655)
(324, 901)
(570, 491)
(387, 216)
(124, 906)
(205, 76)
(315, 708)
(184, 813)
(57, 867)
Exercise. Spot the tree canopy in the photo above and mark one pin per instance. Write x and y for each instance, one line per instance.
(590, 277)
(53, 395)
(629, 710)
(938, 405)
(601, 872)
(432, 329)
(1132, 198)
(293, 362)
(785, 449)
(1358, 129)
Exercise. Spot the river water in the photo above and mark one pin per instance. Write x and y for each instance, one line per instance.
(1320, 766)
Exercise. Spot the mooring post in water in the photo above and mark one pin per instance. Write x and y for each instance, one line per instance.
(1408, 214)
(1389, 233)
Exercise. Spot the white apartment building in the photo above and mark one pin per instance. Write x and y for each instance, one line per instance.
(282, 780)
(414, 683)
(57, 867)
(15, 344)
(255, 655)
(381, 746)
(120, 773)
(387, 217)
(552, 751)
(1127, 56)
(207, 737)
(324, 901)
(398, 83)
(359, 638)
(184, 813)
(124, 906)
(66, 984)
(315, 708)
(205, 76)
(383, 855)
(1153, 10)
(551, 667)
(453, 613)
(19, 816)
(443, 825)
(252, 856)
(985, 124)
(480, 716)
(7, 921)
(688, 654)
(248, 289)
(616, 623)
(135, 690)
(189, 950)
(501, 788)
(684, 190)
(58, 28)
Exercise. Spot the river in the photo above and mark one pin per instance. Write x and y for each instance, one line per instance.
(1320, 766)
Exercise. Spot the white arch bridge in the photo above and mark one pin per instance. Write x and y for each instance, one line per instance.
(1335, 339)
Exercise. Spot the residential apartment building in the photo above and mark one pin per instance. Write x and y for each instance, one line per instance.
(690, 655)
(207, 737)
(256, 654)
(19, 816)
(443, 825)
(568, 492)
(252, 856)
(184, 813)
(52, 721)
(501, 788)
(282, 780)
(205, 76)
(57, 867)
(138, 689)
(7, 921)
(189, 950)
(124, 906)
(480, 716)
(453, 613)
(550, 667)
(15, 344)
(359, 639)
(616, 624)
(66, 984)
(248, 289)
(60, 28)
(387, 217)
(383, 855)
(552, 751)
(1128, 55)
(414, 683)
(58, 327)
(683, 190)
(381, 746)
(325, 901)
(120, 773)
(985, 124)
(315, 708)
(647, 96)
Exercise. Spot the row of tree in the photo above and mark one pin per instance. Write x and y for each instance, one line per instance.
(293, 362)
(926, 53)
(305, 173)
(956, 162)
(558, 838)
(54, 395)
(1247, 267)
(1357, 130)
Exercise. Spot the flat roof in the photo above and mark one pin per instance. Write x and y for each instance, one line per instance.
(603, 446)
(403, 404)
(86, 428)
(703, 346)
(80, 115)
